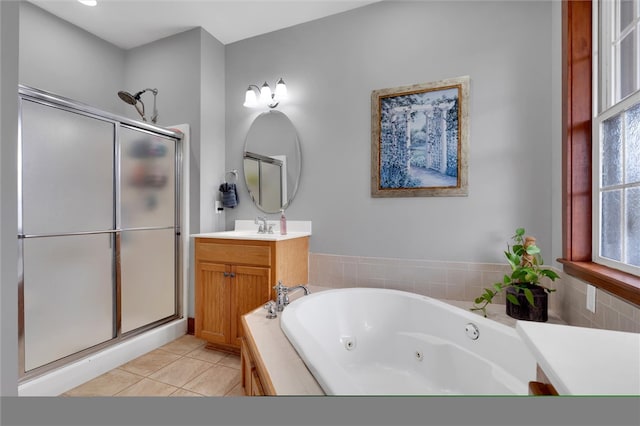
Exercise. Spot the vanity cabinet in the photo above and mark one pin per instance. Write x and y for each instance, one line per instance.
(233, 277)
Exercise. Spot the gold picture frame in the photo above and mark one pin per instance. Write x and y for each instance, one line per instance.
(420, 139)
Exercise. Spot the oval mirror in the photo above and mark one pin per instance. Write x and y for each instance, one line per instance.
(272, 161)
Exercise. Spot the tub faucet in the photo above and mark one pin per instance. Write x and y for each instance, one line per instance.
(282, 294)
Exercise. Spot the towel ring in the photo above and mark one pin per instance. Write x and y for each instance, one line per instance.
(233, 172)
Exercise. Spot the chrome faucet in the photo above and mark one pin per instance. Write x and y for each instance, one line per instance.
(264, 226)
(282, 294)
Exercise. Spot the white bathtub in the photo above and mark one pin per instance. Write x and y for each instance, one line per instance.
(361, 341)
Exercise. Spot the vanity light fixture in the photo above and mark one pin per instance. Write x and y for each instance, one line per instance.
(89, 2)
(266, 96)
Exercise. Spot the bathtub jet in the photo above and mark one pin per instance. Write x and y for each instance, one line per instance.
(361, 341)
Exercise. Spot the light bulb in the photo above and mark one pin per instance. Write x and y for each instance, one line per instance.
(250, 100)
(265, 94)
(89, 2)
(281, 90)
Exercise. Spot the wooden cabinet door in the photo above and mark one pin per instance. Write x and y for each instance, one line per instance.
(213, 300)
(250, 288)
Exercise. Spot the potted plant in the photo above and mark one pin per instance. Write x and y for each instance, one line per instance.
(527, 298)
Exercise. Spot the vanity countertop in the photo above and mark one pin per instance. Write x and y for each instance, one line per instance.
(288, 373)
(250, 235)
(585, 361)
(248, 230)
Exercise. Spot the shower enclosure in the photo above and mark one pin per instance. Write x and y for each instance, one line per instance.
(98, 229)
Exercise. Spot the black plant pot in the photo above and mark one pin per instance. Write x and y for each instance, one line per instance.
(525, 311)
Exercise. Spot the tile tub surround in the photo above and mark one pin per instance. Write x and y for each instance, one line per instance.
(464, 281)
(183, 367)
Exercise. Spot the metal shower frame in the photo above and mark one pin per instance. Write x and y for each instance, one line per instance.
(69, 105)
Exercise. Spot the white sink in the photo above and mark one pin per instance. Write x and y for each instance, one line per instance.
(253, 235)
(248, 230)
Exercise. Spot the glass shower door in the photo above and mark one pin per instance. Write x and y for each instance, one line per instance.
(66, 232)
(148, 224)
(68, 296)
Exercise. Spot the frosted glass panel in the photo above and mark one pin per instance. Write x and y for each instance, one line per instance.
(148, 277)
(611, 240)
(612, 151)
(633, 226)
(67, 171)
(633, 145)
(626, 13)
(68, 296)
(252, 178)
(270, 187)
(148, 179)
(628, 56)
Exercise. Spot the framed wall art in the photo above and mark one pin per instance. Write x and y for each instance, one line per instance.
(419, 139)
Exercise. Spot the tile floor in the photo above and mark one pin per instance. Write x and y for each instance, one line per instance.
(183, 367)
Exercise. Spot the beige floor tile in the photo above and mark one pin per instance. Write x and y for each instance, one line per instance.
(209, 355)
(107, 384)
(216, 381)
(237, 390)
(181, 371)
(184, 392)
(148, 387)
(150, 363)
(183, 345)
(231, 360)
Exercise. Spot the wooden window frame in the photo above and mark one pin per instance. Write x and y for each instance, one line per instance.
(577, 39)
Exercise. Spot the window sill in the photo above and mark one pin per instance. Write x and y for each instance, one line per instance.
(621, 284)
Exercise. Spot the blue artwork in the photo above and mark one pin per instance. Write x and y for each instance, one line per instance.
(419, 139)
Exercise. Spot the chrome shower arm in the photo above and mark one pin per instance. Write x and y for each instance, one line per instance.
(154, 117)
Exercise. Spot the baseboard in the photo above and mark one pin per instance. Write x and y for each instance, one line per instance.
(68, 377)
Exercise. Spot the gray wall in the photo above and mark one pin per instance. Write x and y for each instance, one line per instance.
(556, 132)
(212, 122)
(9, 27)
(332, 65)
(61, 58)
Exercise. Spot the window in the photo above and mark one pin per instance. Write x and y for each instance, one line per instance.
(616, 136)
(608, 261)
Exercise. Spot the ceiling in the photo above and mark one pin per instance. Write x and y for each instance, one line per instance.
(132, 23)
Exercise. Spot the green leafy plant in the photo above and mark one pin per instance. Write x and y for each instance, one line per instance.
(526, 270)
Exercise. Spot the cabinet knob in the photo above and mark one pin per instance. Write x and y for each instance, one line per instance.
(233, 274)
(225, 274)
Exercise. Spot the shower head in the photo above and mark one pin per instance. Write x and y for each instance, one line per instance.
(135, 99)
(128, 97)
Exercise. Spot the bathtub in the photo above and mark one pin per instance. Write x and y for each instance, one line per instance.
(365, 341)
